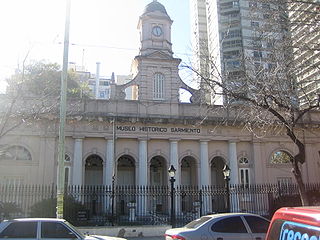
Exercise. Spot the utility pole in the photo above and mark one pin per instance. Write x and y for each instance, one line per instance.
(63, 103)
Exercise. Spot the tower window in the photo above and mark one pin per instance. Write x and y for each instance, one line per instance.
(158, 86)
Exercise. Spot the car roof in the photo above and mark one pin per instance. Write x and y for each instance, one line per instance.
(307, 215)
(217, 215)
(36, 219)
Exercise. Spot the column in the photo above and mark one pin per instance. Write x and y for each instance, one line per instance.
(77, 162)
(258, 163)
(143, 163)
(204, 175)
(233, 162)
(204, 164)
(142, 176)
(109, 165)
(174, 160)
(108, 172)
(234, 175)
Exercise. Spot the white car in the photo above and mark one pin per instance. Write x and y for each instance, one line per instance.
(225, 226)
(44, 228)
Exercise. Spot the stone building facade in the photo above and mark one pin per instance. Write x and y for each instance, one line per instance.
(137, 141)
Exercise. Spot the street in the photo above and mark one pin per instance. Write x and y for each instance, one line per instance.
(146, 238)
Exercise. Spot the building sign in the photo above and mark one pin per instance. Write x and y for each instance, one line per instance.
(158, 129)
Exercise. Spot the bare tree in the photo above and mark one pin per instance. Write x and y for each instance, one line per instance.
(266, 81)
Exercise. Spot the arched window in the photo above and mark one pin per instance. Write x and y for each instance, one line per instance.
(281, 157)
(18, 153)
(244, 171)
(67, 158)
(243, 161)
(158, 86)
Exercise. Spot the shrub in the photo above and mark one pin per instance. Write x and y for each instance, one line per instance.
(47, 208)
(9, 210)
(294, 201)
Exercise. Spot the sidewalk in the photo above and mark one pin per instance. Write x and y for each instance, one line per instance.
(129, 232)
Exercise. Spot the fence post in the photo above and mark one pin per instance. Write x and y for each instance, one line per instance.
(200, 200)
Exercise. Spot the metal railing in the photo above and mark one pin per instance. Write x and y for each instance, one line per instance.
(147, 205)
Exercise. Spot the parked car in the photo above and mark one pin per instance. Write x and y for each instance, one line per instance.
(226, 226)
(44, 228)
(299, 223)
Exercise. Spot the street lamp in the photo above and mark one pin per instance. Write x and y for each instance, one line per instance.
(172, 172)
(226, 172)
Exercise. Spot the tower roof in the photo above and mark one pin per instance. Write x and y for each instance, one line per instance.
(154, 6)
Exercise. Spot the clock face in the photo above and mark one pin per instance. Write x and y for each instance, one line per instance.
(157, 31)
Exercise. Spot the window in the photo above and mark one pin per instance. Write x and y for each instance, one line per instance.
(266, 16)
(231, 34)
(66, 176)
(233, 64)
(244, 176)
(243, 160)
(281, 157)
(18, 153)
(265, 5)
(158, 86)
(253, 4)
(196, 223)
(20, 230)
(67, 158)
(232, 43)
(104, 83)
(102, 94)
(254, 24)
(55, 230)
(257, 54)
(231, 54)
(257, 225)
(229, 225)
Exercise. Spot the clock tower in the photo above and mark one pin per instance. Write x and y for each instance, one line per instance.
(155, 29)
(155, 71)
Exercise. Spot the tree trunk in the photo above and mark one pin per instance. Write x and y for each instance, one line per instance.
(302, 190)
(299, 158)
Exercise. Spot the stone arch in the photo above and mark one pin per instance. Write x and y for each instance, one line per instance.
(189, 153)
(126, 166)
(129, 153)
(217, 163)
(219, 154)
(189, 173)
(92, 153)
(158, 171)
(93, 170)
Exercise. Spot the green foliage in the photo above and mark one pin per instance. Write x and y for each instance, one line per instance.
(47, 208)
(43, 79)
(9, 210)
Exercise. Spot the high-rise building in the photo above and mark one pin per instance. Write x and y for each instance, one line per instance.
(239, 35)
(304, 19)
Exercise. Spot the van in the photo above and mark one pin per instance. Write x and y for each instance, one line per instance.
(295, 223)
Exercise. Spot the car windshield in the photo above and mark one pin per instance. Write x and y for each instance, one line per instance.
(74, 229)
(196, 223)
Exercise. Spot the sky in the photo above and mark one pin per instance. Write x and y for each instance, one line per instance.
(102, 31)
